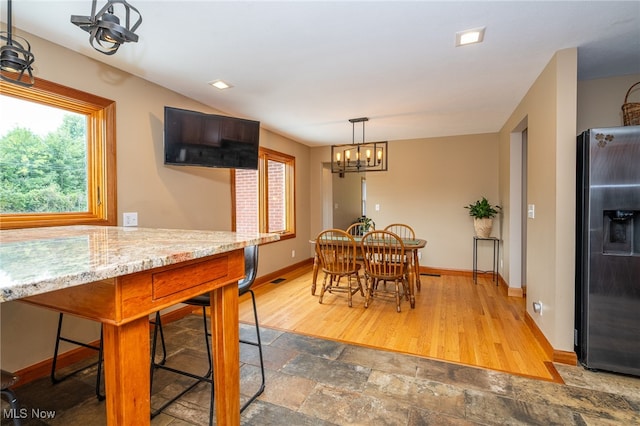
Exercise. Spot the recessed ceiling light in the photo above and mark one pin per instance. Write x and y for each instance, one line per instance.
(475, 35)
(219, 84)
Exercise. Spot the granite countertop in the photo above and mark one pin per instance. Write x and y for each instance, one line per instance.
(39, 260)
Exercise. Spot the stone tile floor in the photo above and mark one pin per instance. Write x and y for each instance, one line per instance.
(312, 381)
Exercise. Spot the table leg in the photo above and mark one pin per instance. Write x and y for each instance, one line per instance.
(127, 382)
(416, 256)
(475, 261)
(316, 266)
(412, 281)
(226, 354)
(496, 257)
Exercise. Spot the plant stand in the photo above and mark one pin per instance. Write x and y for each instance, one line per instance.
(494, 263)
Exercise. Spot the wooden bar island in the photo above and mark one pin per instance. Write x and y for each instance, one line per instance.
(119, 276)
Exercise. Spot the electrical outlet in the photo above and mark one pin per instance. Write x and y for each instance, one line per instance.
(537, 307)
(130, 219)
(293, 253)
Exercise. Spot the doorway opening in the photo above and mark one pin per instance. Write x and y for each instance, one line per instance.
(518, 212)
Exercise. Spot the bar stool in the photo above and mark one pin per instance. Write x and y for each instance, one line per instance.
(244, 286)
(7, 380)
(155, 365)
(98, 348)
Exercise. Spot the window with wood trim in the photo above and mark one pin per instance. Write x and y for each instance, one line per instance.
(263, 200)
(57, 154)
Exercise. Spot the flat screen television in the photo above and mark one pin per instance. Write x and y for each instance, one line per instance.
(194, 138)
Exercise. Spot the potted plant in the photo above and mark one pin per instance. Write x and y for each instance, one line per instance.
(366, 224)
(483, 213)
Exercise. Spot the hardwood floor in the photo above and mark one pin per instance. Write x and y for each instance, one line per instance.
(454, 320)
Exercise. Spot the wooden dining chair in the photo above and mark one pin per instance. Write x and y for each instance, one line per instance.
(401, 230)
(384, 253)
(406, 232)
(337, 250)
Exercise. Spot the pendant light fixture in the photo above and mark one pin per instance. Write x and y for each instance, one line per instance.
(359, 157)
(105, 32)
(15, 56)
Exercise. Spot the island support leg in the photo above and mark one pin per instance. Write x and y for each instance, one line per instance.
(226, 354)
(126, 359)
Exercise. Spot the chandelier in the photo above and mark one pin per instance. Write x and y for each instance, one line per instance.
(15, 56)
(359, 157)
(105, 32)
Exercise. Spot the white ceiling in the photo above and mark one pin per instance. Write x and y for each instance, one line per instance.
(303, 68)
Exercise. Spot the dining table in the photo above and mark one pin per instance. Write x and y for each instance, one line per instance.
(121, 275)
(411, 245)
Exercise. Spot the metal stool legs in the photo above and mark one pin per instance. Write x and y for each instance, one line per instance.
(157, 328)
(99, 363)
(98, 348)
(203, 300)
(257, 343)
(207, 377)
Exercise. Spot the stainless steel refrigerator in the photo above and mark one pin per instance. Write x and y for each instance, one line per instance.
(607, 317)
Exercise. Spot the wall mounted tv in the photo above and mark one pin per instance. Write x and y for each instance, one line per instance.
(196, 139)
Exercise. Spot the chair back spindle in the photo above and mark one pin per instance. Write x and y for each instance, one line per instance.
(401, 230)
(406, 232)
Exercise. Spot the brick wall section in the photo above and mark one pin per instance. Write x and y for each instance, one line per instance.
(277, 219)
(247, 201)
(247, 211)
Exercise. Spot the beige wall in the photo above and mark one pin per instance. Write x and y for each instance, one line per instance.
(428, 183)
(549, 108)
(163, 196)
(600, 101)
(555, 110)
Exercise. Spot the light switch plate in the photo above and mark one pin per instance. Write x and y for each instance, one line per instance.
(130, 219)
